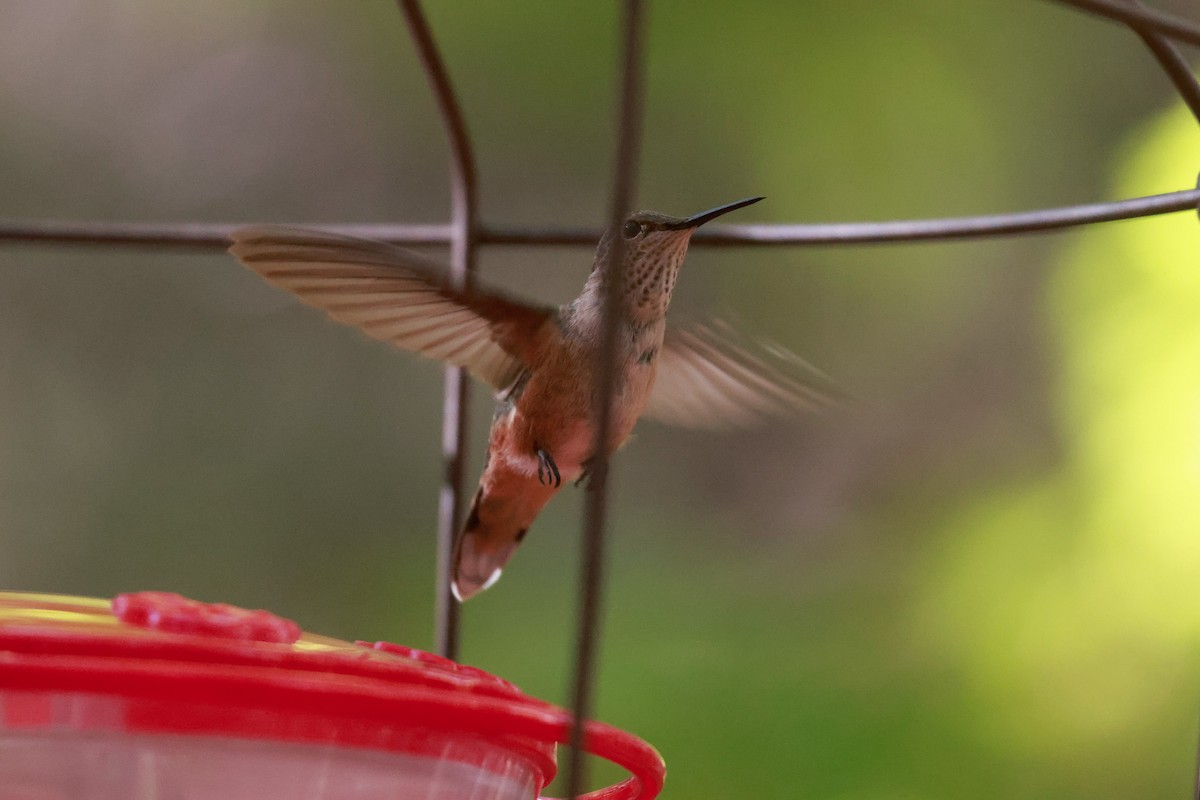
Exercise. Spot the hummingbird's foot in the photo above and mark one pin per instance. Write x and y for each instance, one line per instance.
(547, 469)
(585, 475)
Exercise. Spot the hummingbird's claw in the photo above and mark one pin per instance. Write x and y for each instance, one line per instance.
(547, 469)
(585, 475)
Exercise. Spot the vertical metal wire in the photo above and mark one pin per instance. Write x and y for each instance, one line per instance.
(629, 127)
(456, 398)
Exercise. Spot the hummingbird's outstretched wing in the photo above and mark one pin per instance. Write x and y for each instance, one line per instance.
(710, 377)
(396, 296)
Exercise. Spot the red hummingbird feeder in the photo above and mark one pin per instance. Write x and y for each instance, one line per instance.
(157, 696)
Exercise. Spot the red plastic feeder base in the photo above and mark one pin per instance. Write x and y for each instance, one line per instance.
(155, 695)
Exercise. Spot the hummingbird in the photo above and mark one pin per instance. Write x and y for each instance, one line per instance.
(539, 359)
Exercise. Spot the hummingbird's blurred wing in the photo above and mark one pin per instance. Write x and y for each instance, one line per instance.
(396, 296)
(710, 377)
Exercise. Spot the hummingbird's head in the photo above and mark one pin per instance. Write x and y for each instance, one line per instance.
(654, 245)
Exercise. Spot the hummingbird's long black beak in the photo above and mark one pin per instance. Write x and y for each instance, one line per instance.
(696, 220)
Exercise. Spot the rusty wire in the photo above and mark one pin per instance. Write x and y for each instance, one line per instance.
(466, 232)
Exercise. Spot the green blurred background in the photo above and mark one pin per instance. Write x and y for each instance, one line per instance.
(977, 581)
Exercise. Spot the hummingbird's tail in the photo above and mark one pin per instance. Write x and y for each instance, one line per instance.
(494, 529)
(478, 564)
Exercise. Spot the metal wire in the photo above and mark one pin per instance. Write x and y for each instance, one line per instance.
(215, 236)
(1173, 63)
(1138, 16)
(465, 233)
(591, 572)
(456, 383)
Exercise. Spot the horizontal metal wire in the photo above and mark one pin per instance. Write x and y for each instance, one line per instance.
(955, 227)
(193, 235)
(215, 235)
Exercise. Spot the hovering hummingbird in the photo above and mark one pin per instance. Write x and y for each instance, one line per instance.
(539, 359)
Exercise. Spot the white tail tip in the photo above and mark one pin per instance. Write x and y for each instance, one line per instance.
(465, 590)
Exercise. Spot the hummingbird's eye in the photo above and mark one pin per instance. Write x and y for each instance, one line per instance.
(631, 229)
